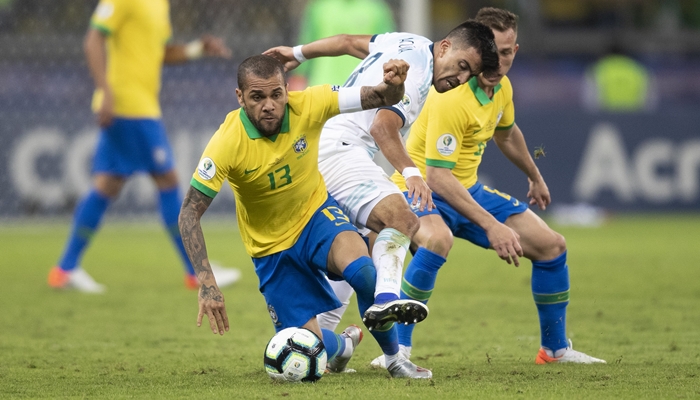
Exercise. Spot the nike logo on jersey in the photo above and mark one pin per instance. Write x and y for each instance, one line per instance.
(477, 131)
(250, 171)
(340, 223)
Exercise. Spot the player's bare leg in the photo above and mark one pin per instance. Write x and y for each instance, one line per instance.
(396, 224)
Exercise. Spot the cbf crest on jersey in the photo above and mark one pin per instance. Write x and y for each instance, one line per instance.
(273, 315)
(446, 144)
(300, 146)
(206, 168)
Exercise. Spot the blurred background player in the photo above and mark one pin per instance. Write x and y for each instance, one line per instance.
(447, 143)
(324, 18)
(126, 46)
(349, 142)
(291, 227)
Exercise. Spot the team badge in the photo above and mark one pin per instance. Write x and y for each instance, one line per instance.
(300, 145)
(273, 315)
(206, 169)
(335, 88)
(405, 103)
(446, 144)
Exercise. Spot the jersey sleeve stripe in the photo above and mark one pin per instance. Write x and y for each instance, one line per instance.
(396, 110)
(503, 128)
(440, 163)
(199, 186)
(101, 28)
(373, 37)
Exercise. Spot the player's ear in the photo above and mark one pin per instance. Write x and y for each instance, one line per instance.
(444, 47)
(239, 94)
(515, 49)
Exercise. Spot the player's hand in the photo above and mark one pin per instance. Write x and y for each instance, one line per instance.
(211, 304)
(395, 72)
(506, 242)
(418, 190)
(105, 114)
(285, 55)
(539, 194)
(215, 47)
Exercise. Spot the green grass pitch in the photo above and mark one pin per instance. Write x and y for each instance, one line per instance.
(635, 301)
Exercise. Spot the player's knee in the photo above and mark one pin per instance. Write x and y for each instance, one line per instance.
(555, 247)
(440, 242)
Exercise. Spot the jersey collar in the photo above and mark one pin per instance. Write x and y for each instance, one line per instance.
(479, 92)
(253, 132)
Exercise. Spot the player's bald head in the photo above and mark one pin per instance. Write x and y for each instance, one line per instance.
(260, 66)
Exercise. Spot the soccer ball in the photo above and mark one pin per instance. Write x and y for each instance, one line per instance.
(295, 355)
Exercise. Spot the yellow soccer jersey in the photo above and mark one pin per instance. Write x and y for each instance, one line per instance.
(453, 128)
(137, 31)
(275, 180)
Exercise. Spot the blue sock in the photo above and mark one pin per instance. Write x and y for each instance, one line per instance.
(418, 283)
(362, 276)
(550, 289)
(170, 203)
(86, 220)
(334, 343)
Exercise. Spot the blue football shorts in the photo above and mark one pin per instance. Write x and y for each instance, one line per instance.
(498, 204)
(133, 145)
(293, 281)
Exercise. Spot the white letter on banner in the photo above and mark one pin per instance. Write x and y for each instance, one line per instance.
(604, 166)
(688, 162)
(649, 157)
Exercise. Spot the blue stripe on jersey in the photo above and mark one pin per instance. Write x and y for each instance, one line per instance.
(396, 110)
(373, 37)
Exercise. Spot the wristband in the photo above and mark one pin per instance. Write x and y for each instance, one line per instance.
(194, 49)
(409, 172)
(298, 54)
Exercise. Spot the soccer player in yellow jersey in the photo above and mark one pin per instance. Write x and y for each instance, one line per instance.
(447, 143)
(292, 228)
(126, 46)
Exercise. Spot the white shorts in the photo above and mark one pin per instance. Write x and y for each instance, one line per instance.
(356, 182)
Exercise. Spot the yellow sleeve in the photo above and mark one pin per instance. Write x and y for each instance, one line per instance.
(446, 129)
(110, 15)
(324, 102)
(508, 117)
(217, 160)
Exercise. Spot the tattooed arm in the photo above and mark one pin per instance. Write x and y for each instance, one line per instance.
(211, 300)
(390, 91)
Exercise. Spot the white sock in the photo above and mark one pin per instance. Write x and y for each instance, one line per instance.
(388, 255)
(349, 348)
(389, 359)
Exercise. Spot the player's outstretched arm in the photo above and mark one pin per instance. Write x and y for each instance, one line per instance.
(211, 300)
(390, 91)
(205, 46)
(332, 46)
(503, 239)
(512, 144)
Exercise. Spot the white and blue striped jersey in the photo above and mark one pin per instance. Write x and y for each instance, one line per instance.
(353, 128)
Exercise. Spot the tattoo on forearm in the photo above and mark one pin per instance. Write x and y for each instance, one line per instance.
(194, 205)
(380, 95)
(211, 293)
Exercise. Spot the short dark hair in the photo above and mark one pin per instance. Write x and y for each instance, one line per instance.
(498, 19)
(261, 66)
(475, 34)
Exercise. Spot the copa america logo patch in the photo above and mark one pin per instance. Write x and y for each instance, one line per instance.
(206, 169)
(446, 144)
(498, 118)
(335, 88)
(273, 315)
(405, 103)
(104, 10)
(300, 145)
